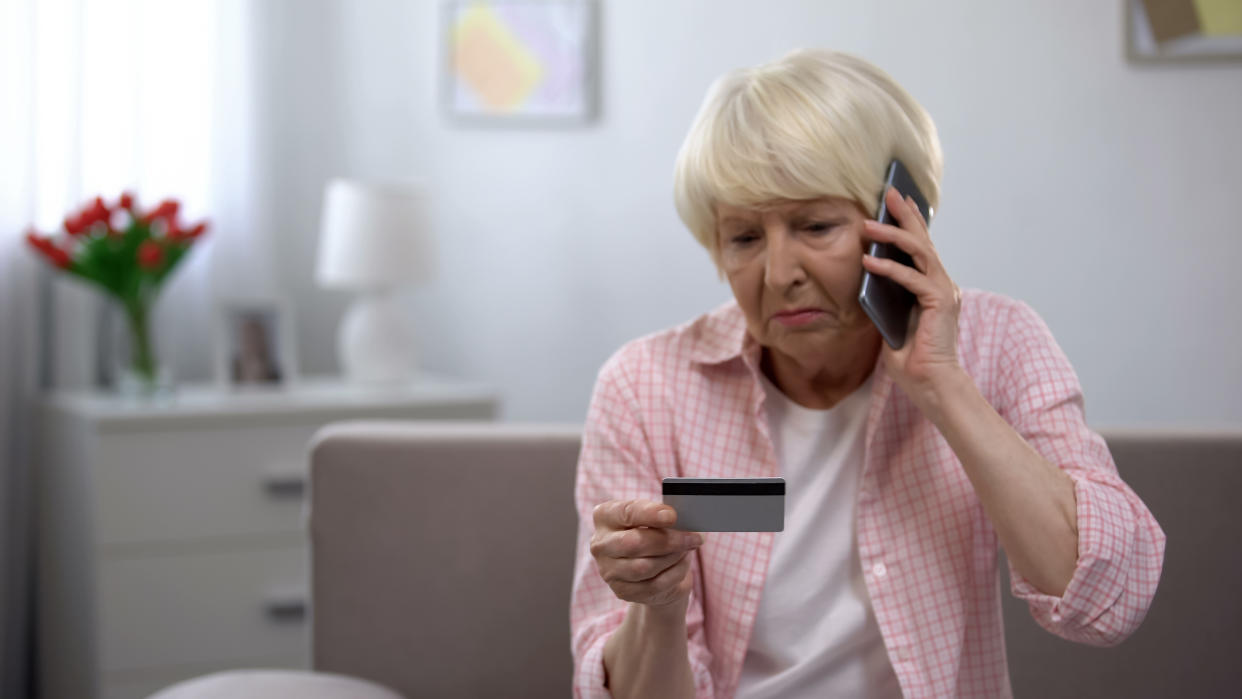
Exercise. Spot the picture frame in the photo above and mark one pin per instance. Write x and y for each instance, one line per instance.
(519, 62)
(1182, 31)
(254, 343)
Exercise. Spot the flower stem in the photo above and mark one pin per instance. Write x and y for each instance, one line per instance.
(143, 358)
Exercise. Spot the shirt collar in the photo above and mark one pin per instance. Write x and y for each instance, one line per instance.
(721, 336)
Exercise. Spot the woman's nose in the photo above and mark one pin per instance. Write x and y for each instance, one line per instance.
(783, 267)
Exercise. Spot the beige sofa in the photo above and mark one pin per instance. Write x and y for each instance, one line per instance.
(442, 557)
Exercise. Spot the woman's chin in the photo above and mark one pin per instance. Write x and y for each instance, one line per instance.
(806, 341)
(823, 336)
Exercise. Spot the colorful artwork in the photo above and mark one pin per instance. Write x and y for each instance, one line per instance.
(520, 58)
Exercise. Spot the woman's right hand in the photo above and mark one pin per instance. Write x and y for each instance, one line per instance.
(639, 556)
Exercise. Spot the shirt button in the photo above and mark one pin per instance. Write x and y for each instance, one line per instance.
(879, 570)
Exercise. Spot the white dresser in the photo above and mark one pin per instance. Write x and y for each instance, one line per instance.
(171, 537)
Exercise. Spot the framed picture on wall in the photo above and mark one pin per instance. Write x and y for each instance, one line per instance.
(1183, 30)
(254, 344)
(519, 61)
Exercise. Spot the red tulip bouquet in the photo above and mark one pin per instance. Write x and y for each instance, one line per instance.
(128, 253)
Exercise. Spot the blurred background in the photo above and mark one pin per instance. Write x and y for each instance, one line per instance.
(1099, 189)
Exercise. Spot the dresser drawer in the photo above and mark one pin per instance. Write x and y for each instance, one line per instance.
(233, 607)
(195, 483)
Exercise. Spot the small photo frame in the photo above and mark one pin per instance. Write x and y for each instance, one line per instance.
(1176, 31)
(254, 344)
(517, 62)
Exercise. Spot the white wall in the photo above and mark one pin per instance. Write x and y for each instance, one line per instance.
(1102, 193)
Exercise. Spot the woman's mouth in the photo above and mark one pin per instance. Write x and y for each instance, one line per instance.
(801, 316)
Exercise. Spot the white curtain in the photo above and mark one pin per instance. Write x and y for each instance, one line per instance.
(96, 97)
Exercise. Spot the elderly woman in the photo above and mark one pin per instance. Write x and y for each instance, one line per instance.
(905, 468)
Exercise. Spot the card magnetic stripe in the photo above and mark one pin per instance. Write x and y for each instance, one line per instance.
(724, 488)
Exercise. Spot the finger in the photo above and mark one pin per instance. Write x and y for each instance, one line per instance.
(918, 248)
(639, 543)
(625, 514)
(641, 569)
(912, 279)
(916, 215)
(933, 286)
(656, 590)
(905, 211)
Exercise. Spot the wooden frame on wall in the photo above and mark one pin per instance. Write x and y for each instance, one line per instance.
(519, 62)
(1182, 31)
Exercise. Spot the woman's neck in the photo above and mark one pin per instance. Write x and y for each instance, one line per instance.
(826, 380)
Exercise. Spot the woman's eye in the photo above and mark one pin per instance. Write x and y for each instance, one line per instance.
(744, 238)
(819, 227)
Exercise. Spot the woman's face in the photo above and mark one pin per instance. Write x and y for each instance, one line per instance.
(795, 268)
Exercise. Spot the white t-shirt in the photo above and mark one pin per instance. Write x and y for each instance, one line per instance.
(815, 633)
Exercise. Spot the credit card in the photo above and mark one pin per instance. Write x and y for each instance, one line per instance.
(727, 504)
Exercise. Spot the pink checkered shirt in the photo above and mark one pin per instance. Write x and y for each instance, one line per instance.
(688, 402)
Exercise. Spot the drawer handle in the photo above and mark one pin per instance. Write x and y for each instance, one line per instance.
(290, 606)
(289, 485)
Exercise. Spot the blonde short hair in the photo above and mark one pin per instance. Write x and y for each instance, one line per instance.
(815, 123)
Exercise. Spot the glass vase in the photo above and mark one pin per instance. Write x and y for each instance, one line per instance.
(140, 372)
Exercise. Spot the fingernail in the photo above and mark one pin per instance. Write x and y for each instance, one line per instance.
(666, 516)
(698, 540)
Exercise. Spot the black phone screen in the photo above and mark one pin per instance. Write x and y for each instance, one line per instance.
(886, 302)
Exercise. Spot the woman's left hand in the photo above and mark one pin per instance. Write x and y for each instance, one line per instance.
(929, 355)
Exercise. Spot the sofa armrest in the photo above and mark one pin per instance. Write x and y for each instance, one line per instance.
(442, 555)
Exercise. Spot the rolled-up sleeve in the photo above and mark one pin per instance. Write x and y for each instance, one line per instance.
(1120, 544)
(617, 463)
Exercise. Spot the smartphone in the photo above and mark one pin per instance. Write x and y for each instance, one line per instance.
(886, 302)
(727, 504)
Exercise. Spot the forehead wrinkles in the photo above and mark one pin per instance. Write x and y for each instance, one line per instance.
(782, 207)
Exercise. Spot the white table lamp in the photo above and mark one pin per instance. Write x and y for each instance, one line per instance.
(373, 239)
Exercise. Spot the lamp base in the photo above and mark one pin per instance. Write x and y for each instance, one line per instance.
(374, 342)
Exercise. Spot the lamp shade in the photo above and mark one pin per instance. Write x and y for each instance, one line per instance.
(373, 235)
